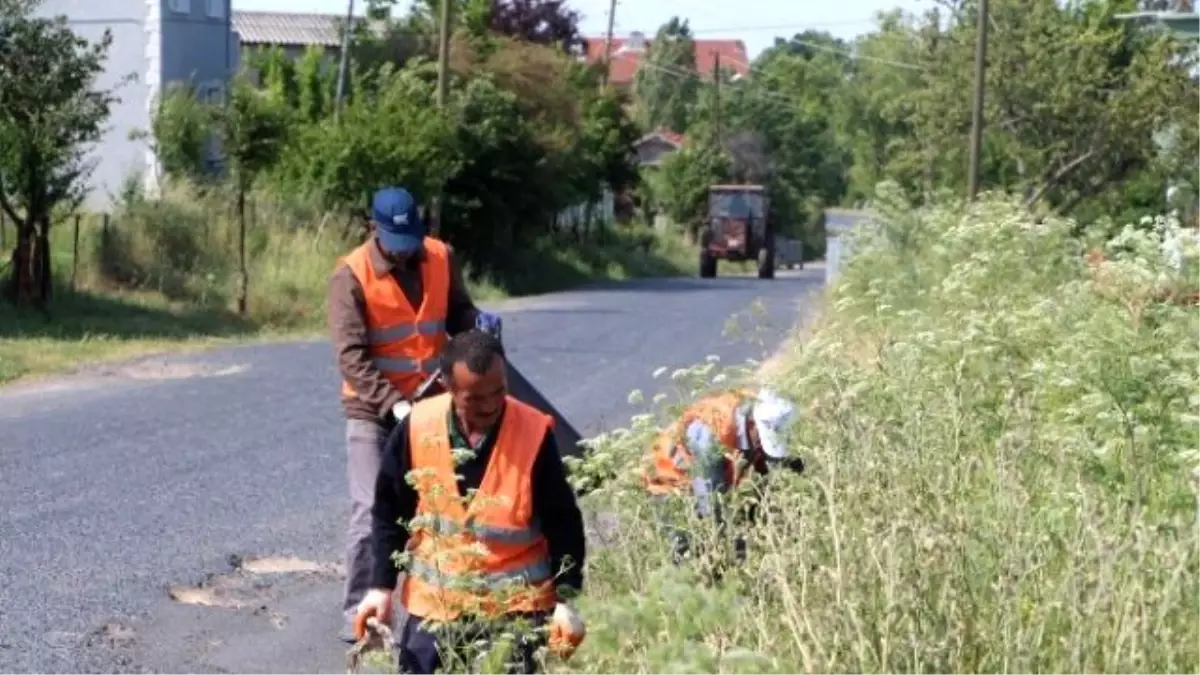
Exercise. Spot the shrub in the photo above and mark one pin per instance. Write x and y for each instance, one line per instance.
(185, 246)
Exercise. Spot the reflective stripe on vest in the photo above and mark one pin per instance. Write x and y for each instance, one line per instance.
(487, 555)
(500, 535)
(405, 342)
(496, 581)
(380, 336)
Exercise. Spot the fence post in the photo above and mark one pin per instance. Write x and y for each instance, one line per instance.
(75, 253)
(104, 262)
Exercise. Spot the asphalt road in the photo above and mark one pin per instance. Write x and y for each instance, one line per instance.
(118, 483)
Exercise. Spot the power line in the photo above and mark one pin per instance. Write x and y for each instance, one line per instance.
(608, 39)
(853, 55)
(976, 140)
(782, 26)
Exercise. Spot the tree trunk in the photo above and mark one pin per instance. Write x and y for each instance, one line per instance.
(42, 274)
(243, 276)
(21, 281)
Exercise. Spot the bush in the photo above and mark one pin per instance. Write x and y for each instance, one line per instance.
(1002, 449)
(185, 246)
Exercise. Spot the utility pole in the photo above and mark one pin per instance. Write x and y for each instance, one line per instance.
(344, 60)
(717, 98)
(443, 88)
(977, 103)
(608, 40)
(444, 53)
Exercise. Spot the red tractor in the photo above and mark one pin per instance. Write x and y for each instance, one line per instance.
(738, 229)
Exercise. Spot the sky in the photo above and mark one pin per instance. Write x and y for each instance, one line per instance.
(756, 22)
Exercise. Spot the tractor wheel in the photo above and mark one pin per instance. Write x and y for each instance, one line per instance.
(708, 265)
(766, 264)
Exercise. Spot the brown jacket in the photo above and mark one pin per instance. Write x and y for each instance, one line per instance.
(348, 326)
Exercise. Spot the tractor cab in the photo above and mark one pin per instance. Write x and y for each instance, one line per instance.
(737, 229)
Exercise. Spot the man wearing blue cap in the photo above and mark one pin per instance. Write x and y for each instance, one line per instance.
(393, 303)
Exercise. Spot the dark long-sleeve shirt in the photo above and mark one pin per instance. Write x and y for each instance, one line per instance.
(554, 504)
(348, 327)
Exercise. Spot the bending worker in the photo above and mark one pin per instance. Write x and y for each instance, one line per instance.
(714, 445)
(392, 303)
(500, 537)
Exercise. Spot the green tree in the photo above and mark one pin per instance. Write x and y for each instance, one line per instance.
(666, 84)
(682, 181)
(254, 130)
(877, 112)
(313, 83)
(277, 74)
(391, 134)
(50, 111)
(181, 131)
(778, 127)
(1075, 100)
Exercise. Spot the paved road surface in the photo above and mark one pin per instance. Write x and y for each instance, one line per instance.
(118, 483)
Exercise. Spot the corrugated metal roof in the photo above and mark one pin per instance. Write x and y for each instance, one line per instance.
(286, 28)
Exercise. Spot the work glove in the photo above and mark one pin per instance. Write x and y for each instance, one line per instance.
(489, 323)
(378, 604)
(567, 631)
(400, 410)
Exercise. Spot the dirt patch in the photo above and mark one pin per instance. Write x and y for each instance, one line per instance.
(283, 565)
(111, 635)
(253, 582)
(150, 370)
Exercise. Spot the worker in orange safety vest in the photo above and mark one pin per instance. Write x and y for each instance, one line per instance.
(714, 445)
(393, 303)
(491, 526)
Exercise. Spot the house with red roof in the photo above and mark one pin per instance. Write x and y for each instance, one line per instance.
(655, 145)
(627, 53)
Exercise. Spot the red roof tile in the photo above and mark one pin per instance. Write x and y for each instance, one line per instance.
(625, 62)
(667, 135)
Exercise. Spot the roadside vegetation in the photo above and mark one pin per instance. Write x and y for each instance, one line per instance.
(1002, 456)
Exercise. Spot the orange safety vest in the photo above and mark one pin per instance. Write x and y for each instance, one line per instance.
(450, 574)
(670, 457)
(404, 342)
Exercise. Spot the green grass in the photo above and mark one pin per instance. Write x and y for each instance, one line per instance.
(162, 276)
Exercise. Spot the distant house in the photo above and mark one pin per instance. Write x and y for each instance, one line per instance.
(627, 53)
(652, 147)
(293, 33)
(1183, 25)
(155, 43)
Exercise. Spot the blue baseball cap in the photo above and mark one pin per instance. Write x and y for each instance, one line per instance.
(398, 226)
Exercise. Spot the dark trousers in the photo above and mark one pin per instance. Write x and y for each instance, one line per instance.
(682, 545)
(422, 651)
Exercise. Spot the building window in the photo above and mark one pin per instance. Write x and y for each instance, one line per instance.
(181, 6)
(216, 9)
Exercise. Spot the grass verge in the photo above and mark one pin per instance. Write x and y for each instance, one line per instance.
(163, 275)
(1002, 449)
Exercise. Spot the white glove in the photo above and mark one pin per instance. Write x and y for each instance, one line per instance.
(567, 630)
(377, 603)
(566, 616)
(401, 410)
